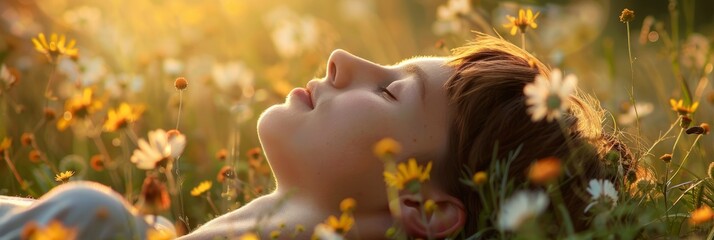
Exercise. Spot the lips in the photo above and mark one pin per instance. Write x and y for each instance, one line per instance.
(303, 95)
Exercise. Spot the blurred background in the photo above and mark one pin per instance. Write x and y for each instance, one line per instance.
(240, 57)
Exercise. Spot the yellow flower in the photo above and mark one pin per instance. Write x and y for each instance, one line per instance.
(64, 176)
(387, 146)
(678, 106)
(248, 236)
(5, 144)
(55, 230)
(154, 234)
(701, 215)
(524, 20)
(275, 234)
(122, 116)
(348, 205)
(78, 106)
(341, 225)
(429, 206)
(480, 178)
(544, 170)
(407, 173)
(201, 188)
(55, 47)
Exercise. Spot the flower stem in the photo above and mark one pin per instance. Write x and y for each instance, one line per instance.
(632, 84)
(210, 202)
(12, 168)
(178, 118)
(47, 92)
(523, 41)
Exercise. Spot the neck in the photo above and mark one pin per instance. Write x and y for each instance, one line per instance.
(283, 212)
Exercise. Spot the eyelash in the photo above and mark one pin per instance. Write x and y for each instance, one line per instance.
(385, 90)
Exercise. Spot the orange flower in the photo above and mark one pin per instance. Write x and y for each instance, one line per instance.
(154, 198)
(701, 215)
(348, 205)
(97, 162)
(222, 154)
(34, 156)
(55, 230)
(387, 146)
(480, 178)
(545, 170)
(225, 172)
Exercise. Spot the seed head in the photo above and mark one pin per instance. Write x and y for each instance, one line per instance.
(27, 139)
(181, 83)
(627, 15)
(666, 157)
(34, 156)
(705, 126)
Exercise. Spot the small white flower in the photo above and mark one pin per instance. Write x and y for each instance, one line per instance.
(449, 16)
(292, 34)
(84, 18)
(522, 206)
(159, 147)
(324, 232)
(629, 117)
(173, 66)
(233, 76)
(549, 98)
(602, 191)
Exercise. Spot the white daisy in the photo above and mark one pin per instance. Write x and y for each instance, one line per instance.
(629, 117)
(602, 191)
(549, 98)
(523, 205)
(449, 16)
(324, 232)
(159, 147)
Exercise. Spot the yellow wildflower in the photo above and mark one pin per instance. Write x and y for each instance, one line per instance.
(480, 178)
(701, 215)
(248, 236)
(341, 225)
(525, 19)
(678, 106)
(55, 47)
(348, 205)
(387, 146)
(122, 116)
(154, 234)
(55, 230)
(201, 188)
(544, 170)
(64, 176)
(5, 144)
(78, 106)
(429, 207)
(406, 173)
(275, 234)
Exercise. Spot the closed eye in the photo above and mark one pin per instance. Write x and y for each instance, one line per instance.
(386, 91)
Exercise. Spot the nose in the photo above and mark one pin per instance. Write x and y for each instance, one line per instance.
(344, 69)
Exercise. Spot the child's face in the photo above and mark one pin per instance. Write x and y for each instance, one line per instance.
(321, 143)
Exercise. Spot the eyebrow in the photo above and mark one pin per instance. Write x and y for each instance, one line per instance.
(421, 77)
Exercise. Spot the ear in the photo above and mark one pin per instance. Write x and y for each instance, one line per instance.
(449, 216)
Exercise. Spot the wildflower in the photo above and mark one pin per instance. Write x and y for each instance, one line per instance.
(255, 161)
(522, 206)
(480, 178)
(232, 76)
(5, 144)
(387, 146)
(685, 122)
(701, 215)
(55, 47)
(630, 116)
(292, 35)
(429, 207)
(201, 188)
(9, 76)
(157, 234)
(154, 198)
(181, 83)
(525, 19)
(449, 16)
(222, 154)
(325, 232)
(27, 139)
(97, 162)
(409, 174)
(255, 154)
(666, 157)
(299, 228)
(549, 99)
(627, 15)
(275, 234)
(341, 225)
(678, 106)
(49, 114)
(248, 236)
(34, 156)
(121, 117)
(348, 205)
(78, 106)
(64, 176)
(159, 148)
(55, 230)
(225, 172)
(602, 191)
(695, 130)
(544, 170)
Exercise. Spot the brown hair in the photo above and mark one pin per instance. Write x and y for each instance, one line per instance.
(490, 117)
